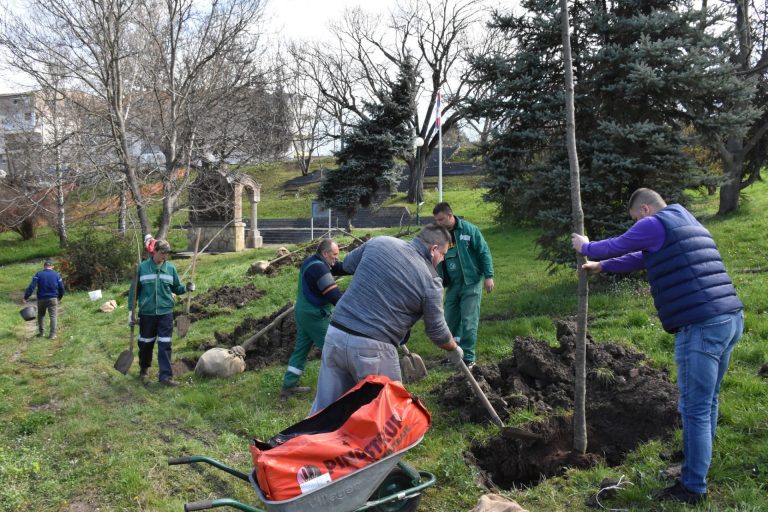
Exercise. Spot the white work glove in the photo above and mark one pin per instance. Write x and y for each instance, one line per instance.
(131, 322)
(456, 356)
(190, 286)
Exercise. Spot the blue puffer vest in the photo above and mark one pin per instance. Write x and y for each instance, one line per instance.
(688, 279)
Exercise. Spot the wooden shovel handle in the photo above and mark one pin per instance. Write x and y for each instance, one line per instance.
(247, 343)
(192, 277)
(480, 394)
(134, 300)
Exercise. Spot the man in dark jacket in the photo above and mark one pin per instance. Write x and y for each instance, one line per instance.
(50, 290)
(157, 282)
(696, 301)
(317, 294)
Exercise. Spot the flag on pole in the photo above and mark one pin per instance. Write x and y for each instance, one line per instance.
(438, 108)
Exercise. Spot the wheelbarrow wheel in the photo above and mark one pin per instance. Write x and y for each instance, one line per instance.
(397, 481)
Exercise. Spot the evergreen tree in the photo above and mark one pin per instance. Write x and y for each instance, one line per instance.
(367, 170)
(649, 79)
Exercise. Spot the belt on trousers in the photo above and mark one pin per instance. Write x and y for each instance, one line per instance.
(354, 332)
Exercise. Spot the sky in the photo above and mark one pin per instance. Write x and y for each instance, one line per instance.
(291, 19)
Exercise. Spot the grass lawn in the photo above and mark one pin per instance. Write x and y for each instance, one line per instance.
(75, 435)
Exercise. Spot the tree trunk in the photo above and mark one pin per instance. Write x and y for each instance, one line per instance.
(733, 168)
(138, 199)
(61, 222)
(123, 210)
(580, 364)
(416, 182)
(350, 215)
(167, 211)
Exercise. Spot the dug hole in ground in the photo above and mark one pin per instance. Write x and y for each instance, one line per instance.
(628, 403)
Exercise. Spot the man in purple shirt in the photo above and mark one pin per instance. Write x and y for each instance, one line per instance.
(696, 301)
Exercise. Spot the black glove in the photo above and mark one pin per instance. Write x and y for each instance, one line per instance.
(190, 286)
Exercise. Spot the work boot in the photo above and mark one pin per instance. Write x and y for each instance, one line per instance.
(293, 390)
(680, 494)
(169, 382)
(144, 375)
(470, 364)
(52, 336)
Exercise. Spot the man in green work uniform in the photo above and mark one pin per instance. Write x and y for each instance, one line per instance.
(156, 283)
(466, 270)
(316, 296)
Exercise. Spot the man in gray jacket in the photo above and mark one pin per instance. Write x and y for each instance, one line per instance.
(395, 285)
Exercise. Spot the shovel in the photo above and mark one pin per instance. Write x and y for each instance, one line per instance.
(183, 321)
(125, 359)
(412, 366)
(250, 341)
(507, 432)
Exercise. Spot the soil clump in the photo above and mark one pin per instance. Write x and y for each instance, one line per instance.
(628, 403)
(183, 365)
(221, 300)
(275, 346)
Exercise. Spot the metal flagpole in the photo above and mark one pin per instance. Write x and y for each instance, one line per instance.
(439, 150)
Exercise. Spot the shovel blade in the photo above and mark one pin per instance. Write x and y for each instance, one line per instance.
(182, 325)
(124, 361)
(412, 367)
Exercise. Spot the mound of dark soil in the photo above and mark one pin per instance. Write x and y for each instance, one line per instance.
(273, 347)
(628, 403)
(217, 301)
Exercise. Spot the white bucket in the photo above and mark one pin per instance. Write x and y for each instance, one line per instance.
(94, 295)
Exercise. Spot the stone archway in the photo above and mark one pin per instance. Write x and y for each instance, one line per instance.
(216, 201)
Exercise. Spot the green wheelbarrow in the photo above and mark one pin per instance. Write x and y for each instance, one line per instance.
(387, 485)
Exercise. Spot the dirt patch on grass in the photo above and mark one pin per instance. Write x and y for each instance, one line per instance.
(83, 503)
(628, 403)
(220, 300)
(183, 365)
(275, 346)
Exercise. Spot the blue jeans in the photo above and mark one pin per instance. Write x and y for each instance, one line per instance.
(158, 327)
(702, 353)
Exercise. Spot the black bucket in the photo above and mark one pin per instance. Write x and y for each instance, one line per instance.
(28, 313)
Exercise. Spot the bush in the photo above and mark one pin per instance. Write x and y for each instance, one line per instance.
(97, 260)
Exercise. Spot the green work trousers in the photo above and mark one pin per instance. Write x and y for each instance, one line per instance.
(311, 326)
(462, 313)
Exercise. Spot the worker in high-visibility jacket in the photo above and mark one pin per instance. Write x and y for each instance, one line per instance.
(466, 270)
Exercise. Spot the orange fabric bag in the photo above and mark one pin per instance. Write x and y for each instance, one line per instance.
(374, 419)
